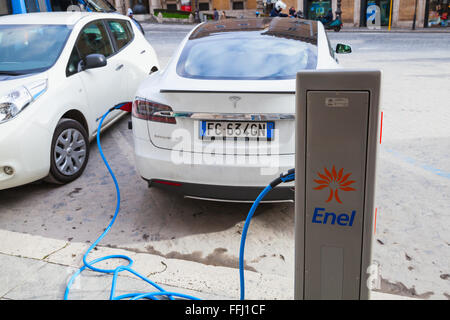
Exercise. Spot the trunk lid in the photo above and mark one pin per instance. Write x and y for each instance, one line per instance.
(263, 104)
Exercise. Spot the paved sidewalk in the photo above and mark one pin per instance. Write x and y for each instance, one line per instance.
(35, 267)
(38, 268)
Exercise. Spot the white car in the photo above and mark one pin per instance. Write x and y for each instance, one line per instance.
(60, 72)
(218, 122)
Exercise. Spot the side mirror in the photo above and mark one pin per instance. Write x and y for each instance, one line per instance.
(153, 69)
(92, 61)
(343, 48)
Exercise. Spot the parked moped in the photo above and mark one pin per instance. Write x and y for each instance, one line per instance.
(335, 24)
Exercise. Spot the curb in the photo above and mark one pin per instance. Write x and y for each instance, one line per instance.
(204, 280)
(49, 263)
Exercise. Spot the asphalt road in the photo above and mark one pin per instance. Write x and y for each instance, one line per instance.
(412, 240)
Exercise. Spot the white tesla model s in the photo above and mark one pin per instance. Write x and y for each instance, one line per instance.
(218, 122)
(59, 72)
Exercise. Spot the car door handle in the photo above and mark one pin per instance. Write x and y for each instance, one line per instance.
(143, 51)
(120, 66)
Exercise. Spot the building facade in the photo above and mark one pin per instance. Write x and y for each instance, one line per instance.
(399, 13)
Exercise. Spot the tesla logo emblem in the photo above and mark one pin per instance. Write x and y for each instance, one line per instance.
(334, 181)
(234, 100)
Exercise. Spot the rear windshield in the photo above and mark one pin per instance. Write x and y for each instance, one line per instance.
(249, 55)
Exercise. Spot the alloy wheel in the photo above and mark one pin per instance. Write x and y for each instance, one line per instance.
(70, 151)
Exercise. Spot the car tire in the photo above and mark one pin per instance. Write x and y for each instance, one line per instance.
(69, 152)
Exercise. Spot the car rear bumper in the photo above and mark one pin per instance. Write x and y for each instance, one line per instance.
(224, 193)
(227, 178)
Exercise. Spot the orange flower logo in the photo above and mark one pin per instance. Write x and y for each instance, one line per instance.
(334, 181)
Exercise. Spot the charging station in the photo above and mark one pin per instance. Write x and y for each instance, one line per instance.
(336, 147)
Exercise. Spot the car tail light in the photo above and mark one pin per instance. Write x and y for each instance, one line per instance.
(168, 183)
(152, 111)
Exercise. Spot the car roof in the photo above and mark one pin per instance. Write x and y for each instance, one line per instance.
(60, 18)
(298, 29)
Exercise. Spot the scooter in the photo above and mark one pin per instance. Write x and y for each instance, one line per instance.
(335, 25)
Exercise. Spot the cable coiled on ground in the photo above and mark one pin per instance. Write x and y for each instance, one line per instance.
(285, 177)
(127, 268)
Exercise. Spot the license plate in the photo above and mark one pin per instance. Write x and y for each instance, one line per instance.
(237, 129)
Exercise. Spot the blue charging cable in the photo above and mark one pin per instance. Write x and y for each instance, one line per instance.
(117, 270)
(285, 177)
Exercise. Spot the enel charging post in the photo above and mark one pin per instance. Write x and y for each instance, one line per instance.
(337, 115)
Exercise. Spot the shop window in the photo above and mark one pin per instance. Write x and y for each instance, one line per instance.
(384, 6)
(238, 5)
(5, 7)
(171, 7)
(42, 5)
(316, 9)
(203, 6)
(438, 12)
(31, 6)
(140, 7)
(268, 8)
(61, 5)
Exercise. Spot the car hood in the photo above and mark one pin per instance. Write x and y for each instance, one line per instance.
(8, 83)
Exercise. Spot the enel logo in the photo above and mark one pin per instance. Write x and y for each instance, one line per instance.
(342, 219)
(334, 181)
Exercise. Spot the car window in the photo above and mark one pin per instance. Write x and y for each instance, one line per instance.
(72, 66)
(121, 31)
(249, 55)
(92, 39)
